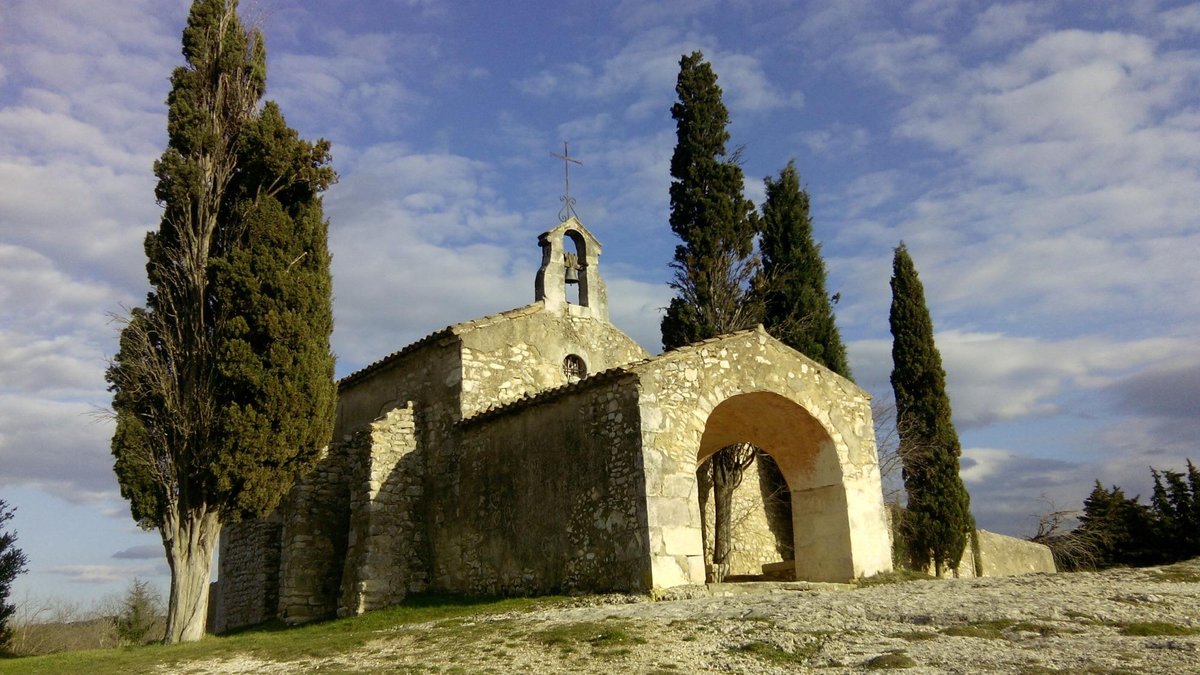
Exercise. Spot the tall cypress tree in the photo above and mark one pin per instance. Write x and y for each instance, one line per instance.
(223, 383)
(797, 308)
(710, 215)
(713, 265)
(939, 519)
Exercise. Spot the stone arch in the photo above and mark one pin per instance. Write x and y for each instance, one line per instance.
(572, 238)
(805, 452)
(748, 386)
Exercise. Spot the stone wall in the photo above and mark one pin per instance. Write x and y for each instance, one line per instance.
(1002, 556)
(405, 401)
(385, 557)
(468, 463)
(761, 529)
(521, 355)
(544, 498)
(247, 591)
(315, 515)
(428, 373)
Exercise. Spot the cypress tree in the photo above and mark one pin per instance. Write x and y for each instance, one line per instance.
(939, 507)
(797, 309)
(713, 265)
(709, 214)
(1121, 530)
(223, 383)
(1174, 505)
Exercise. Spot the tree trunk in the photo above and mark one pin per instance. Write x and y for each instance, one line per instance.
(729, 464)
(704, 486)
(722, 512)
(189, 539)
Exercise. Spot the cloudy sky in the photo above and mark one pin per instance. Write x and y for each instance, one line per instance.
(1041, 160)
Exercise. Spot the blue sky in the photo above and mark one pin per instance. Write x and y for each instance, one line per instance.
(1041, 160)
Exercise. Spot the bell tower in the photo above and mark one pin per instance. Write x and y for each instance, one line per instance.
(562, 267)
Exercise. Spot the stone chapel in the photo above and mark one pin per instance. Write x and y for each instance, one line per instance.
(541, 450)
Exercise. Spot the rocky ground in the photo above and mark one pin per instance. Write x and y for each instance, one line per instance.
(1117, 621)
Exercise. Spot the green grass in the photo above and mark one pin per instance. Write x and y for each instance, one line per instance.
(765, 651)
(915, 635)
(602, 638)
(1039, 628)
(990, 630)
(890, 661)
(1180, 573)
(275, 641)
(1155, 628)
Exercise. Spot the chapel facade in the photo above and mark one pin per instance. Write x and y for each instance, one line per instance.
(541, 450)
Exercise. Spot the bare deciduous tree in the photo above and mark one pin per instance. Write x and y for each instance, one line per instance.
(1073, 548)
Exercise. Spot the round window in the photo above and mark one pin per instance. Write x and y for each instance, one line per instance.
(574, 368)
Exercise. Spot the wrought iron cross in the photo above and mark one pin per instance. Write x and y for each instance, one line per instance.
(568, 209)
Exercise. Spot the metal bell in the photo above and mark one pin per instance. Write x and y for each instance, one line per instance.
(571, 263)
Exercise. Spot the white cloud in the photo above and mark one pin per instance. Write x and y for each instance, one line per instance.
(933, 12)
(1002, 24)
(60, 446)
(1065, 198)
(636, 14)
(1010, 490)
(541, 84)
(897, 59)
(60, 366)
(646, 68)
(425, 228)
(993, 377)
(1181, 21)
(37, 297)
(636, 308)
(142, 552)
(355, 85)
(423, 241)
(870, 190)
(102, 574)
(837, 139)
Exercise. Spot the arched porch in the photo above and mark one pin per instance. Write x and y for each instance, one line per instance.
(814, 423)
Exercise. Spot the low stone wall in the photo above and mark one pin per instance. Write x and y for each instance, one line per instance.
(1002, 556)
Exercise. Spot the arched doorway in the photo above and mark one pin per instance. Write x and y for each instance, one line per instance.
(807, 459)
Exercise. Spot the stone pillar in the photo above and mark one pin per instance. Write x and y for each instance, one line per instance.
(384, 560)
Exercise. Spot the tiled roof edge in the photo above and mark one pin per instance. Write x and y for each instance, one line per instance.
(455, 329)
(602, 377)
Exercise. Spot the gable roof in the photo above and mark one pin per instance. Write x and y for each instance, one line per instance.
(448, 331)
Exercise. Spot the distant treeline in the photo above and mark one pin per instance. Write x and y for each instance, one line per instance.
(1118, 530)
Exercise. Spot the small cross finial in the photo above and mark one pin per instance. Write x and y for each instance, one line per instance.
(568, 209)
